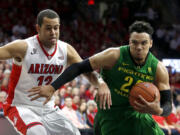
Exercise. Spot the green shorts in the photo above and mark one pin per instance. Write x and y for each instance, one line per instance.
(127, 123)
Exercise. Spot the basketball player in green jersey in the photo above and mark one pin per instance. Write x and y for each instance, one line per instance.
(122, 67)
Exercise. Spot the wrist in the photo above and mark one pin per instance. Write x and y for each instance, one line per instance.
(100, 83)
(52, 88)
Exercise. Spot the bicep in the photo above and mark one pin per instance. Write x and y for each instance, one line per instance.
(105, 59)
(5, 52)
(162, 77)
(13, 50)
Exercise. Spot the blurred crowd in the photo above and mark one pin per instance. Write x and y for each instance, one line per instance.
(90, 29)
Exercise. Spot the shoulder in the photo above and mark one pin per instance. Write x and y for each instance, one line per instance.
(162, 77)
(161, 69)
(71, 51)
(69, 47)
(112, 52)
(105, 59)
(72, 55)
(20, 42)
(161, 73)
(16, 49)
(20, 45)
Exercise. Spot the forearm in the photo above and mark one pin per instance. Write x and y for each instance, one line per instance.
(71, 72)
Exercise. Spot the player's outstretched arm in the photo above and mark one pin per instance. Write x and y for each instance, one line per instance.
(15, 49)
(105, 59)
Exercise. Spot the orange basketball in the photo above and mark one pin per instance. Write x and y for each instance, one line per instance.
(146, 90)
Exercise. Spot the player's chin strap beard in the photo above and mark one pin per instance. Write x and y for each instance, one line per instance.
(135, 63)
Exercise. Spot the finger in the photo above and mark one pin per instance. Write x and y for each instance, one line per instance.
(143, 100)
(34, 93)
(36, 87)
(101, 101)
(136, 108)
(139, 104)
(47, 100)
(33, 89)
(97, 97)
(104, 101)
(36, 97)
(109, 101)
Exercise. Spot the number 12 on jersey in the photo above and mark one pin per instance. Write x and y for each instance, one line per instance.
(46, 79)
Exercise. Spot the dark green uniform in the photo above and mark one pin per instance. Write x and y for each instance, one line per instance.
(122, 119)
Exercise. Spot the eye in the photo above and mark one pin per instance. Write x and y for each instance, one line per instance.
(48, 28)
(134, 42)
(144, 42)
(56, 27)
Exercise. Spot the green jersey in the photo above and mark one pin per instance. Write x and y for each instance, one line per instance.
(121, 118)
(125, 74)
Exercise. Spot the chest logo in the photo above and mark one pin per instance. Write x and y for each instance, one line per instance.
(125, 64)
(149, 70)
(34, 51)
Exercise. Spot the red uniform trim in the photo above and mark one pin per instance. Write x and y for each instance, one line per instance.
(13, 115)
(14, 78)
(33, 124)
(49, 56)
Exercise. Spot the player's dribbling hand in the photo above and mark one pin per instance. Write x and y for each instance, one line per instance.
(148, 107)
(103, 96)
(46, 91)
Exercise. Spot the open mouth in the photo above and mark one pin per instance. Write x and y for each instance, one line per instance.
(53, 39)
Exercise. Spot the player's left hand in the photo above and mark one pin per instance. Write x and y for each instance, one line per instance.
(103, 96)
(148, 107)
(46, 91)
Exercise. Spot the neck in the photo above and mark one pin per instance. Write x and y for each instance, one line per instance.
(139, 63)
(48, 48)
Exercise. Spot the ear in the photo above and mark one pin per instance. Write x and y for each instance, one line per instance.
(37, 28)
(151, 43)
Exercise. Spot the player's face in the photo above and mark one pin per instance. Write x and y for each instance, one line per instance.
(49, 31)
(140, 43)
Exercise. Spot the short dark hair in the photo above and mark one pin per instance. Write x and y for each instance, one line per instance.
(141, 26)
(46, 13)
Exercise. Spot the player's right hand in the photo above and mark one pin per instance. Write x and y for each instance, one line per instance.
(46, 91)
(104, 96)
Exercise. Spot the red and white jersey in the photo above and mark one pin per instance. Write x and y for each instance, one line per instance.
(37, 68)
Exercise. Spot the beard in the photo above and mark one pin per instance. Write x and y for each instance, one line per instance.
(138, 60)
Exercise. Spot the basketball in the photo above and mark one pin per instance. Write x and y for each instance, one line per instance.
(146, 90)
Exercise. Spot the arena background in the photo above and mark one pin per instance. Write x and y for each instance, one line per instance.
(94, 25)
